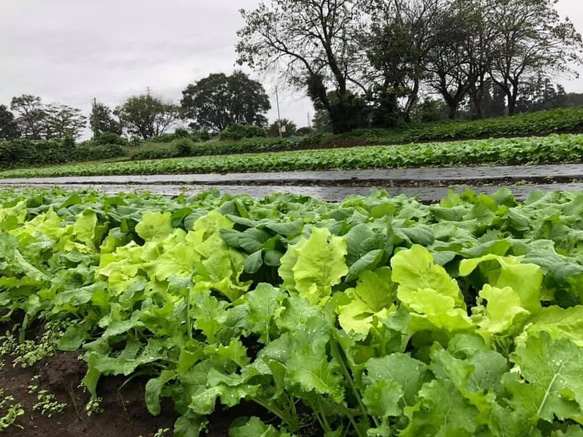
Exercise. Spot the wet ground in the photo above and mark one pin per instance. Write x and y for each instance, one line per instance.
(327, 193)
(429, 184)
(534, 173)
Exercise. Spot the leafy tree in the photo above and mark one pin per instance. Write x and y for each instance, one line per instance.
(313, 45)
(494, 100)
(321, 121)
(430, 110)
(31, 116)
(532, 39)
(478, 45)
(219, 101)
(289, 127)
(448, 65)
(147, 116)
(102, 121)
(304, 131)
(398, 42)
(541, 94)
(62, 122)
(8, 127)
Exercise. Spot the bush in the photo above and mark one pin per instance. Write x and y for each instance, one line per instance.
(164, 138)
(183, 146)
(181, 133)
(96, 153)
(239, 131)
(204, 135)
(110, 138)
(23, 152)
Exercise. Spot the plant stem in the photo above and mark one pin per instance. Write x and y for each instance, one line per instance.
(336, 354)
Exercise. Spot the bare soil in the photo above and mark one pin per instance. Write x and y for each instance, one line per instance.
(124, 408)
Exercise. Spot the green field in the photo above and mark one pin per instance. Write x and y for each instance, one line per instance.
(377, 316)
(535, 150)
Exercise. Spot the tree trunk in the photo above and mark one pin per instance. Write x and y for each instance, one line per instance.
(477, 101)
(512, 98)
(452, 110)
(512, 104)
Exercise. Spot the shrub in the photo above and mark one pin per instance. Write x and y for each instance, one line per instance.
(204, 135)
(239, 131)
(183, 146)
(181, 133)
(164, 138)
(23, 152)
(110, 138)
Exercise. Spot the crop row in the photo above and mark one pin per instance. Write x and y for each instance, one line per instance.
(536, 150)
(377, 316)
(539, 123)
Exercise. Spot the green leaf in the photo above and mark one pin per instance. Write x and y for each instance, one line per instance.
(553, 384)
(314, 373)
(253, 262)
(504, 272)
(376, 288)
(263, 308)
(414, 270)
(189, 425)
(407, 373)
(253, 239)
(155, 226)
(84, 228)
(314, 266)
(154, 388)
(367, 262)
(253, 427)
(503, 310)
(73, 337)
(558, 323)
(441, 411)
(382, 398)
(431, 310)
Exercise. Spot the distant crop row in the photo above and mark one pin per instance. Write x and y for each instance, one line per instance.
(536, 150)
(540, 123)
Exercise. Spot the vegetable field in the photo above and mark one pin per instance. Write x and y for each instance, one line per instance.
(536, 150)
(377, 316)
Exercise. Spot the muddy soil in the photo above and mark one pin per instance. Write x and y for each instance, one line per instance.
(124, 409)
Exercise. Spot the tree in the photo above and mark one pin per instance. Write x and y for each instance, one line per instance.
(540, 94)
(304, 131)
(478, 45)
(62, 122)
(147, 116)
(313, 45)
(31, 116)
(321, 122)
(397, 43)
(219, 101)
(8, 127)
(448, 59)
(532, 39)
(288, 126)
(101, 120)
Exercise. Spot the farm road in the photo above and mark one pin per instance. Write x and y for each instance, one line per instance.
(429, 184)
(412, 176)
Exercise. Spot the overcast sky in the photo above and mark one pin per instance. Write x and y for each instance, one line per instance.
(71, 51)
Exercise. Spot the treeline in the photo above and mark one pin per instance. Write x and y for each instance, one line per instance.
(364, 64)
(367, 64)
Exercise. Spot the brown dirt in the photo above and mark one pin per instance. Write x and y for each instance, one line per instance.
(125, 413)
